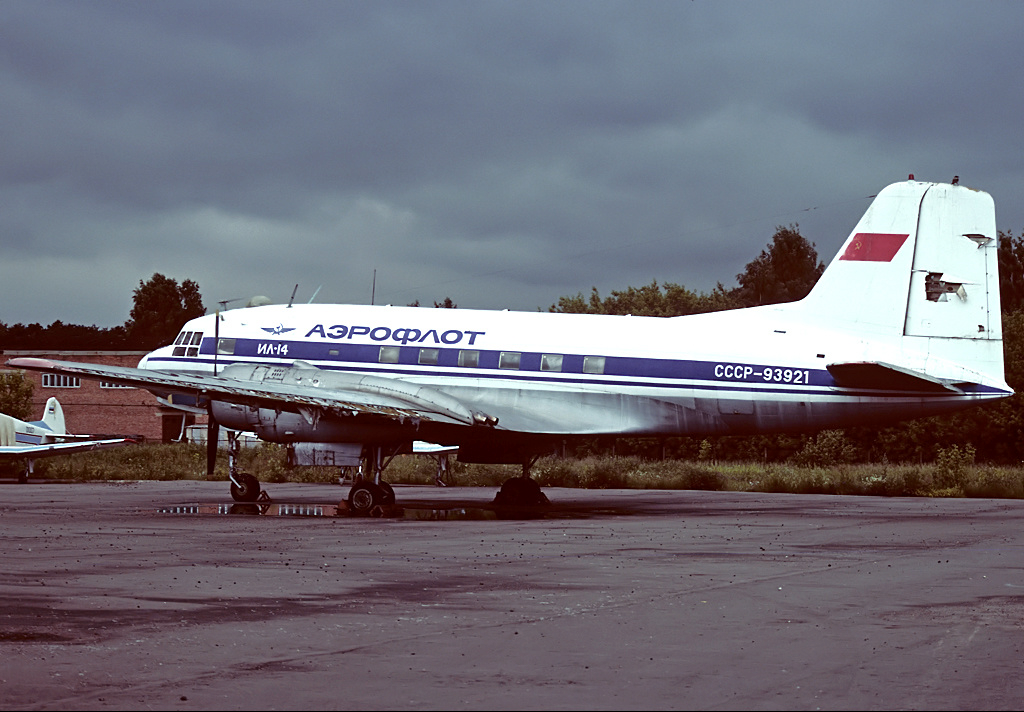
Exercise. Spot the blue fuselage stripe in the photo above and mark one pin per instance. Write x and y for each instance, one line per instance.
(710, 376)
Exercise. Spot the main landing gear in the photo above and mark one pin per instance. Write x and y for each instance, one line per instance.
(369, 496)
(372, 496)
(522, 491)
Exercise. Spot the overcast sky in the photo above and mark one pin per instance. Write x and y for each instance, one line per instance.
(503, 154)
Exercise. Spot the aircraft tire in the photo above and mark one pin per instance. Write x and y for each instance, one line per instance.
(389, 493)
(363, 497)
(249, 491)
(520, 492)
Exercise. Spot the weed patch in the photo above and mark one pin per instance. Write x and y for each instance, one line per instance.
(953, 474)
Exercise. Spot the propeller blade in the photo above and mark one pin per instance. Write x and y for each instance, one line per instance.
(212, 440)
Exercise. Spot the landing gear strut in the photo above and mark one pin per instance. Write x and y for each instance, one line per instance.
(522, 491)
(372, 496)
(30, 468)
(244, 487)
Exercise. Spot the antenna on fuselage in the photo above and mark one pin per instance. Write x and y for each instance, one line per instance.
(293, 296)
(216, 340)
(373, 289)
(224, 302)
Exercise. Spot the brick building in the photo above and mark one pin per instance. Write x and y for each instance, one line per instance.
(98, 408)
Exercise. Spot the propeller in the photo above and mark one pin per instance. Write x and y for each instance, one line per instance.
(212, 441)
(224, 302)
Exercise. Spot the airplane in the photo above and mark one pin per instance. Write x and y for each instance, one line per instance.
(905, 322)
(28, 441)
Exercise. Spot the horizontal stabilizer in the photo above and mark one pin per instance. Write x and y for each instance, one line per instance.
(9, 452)
(885, 376)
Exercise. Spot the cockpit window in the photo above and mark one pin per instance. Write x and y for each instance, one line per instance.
(187, 343)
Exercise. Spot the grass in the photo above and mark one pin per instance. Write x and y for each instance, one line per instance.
(953, 474)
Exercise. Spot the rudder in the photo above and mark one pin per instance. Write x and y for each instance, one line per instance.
(53, 417)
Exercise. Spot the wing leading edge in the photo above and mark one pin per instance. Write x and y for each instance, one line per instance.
(298, 389)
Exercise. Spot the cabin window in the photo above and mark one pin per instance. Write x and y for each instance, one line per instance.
(469, 359)
(183, 338)
(551, 362)
(59, 380)
(593, 364)
(225, 346)
(333, 352)
(389, 354)
(428, 357)
(509, 359)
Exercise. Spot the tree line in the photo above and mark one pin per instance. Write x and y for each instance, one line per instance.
(786, 270)
(160, 307)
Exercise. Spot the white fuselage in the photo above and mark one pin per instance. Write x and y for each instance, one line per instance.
(751, 370)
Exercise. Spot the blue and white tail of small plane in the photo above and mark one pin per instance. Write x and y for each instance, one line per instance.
(36, 432)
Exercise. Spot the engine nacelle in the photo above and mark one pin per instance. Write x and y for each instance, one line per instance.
(371, 394)
(284, 427)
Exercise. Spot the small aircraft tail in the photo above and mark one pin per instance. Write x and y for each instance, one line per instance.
(8, 432)
(53, 417)
(917, 283)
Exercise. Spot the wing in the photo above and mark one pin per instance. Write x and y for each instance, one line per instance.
(297, 389)
(16, 452)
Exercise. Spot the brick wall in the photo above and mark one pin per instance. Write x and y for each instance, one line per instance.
(92, 410)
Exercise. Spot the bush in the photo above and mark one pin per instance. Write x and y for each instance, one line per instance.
(826, 449)
(952, 465)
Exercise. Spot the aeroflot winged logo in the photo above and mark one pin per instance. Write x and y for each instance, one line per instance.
(278, 330)
(873, 247)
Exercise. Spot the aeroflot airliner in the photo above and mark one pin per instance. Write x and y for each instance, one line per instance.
(905, 322)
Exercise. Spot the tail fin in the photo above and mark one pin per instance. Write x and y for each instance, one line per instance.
(920, 271)
(8, 431)
(53, 417)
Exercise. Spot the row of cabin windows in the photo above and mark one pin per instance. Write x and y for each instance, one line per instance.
(468, 358)
(59, 380)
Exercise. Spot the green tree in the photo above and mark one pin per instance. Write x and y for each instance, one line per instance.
(161, 307)
(784, 272)
(1011, 271)
(15, 395)
(649, 300)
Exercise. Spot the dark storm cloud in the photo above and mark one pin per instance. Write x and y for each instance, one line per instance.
(501, 153)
